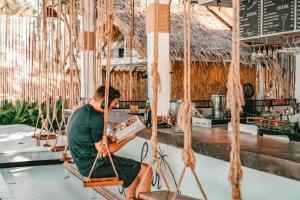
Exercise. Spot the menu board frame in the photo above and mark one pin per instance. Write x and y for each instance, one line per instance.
(261, 18)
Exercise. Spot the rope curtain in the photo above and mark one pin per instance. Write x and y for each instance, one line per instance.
(235, 100)
(36, 57)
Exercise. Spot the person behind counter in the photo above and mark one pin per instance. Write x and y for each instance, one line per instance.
(295, 121)
(85, 134)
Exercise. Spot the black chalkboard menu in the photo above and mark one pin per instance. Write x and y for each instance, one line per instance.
(268, 17)
(250, 18)
(298, 14)
(278, 16)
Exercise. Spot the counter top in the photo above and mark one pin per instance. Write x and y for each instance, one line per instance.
(272, 155)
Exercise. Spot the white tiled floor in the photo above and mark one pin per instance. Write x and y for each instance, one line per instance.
(5, 193)
(44, 182)
(16, 145)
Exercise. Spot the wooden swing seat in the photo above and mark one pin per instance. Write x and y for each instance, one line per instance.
(46, 145)
(93, 182)
(45, 137)
(163, 195)
(58, 148)
(65, 158)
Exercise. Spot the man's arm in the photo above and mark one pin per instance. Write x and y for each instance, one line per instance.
(114, 147)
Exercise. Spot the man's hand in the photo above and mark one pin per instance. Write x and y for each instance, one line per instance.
(112, 139)
(112, 145)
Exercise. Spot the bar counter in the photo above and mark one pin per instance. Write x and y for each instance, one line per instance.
(272, 155)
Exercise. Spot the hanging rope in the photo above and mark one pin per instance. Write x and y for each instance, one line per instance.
(156, 88)
(131, 35)
(108, 9)
(99, 80)
(186, 108)
(235, 100)
(41, 23)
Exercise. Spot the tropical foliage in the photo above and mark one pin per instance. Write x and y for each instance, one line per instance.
(25, 113)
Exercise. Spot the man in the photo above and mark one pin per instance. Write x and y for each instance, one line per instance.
(85, 134)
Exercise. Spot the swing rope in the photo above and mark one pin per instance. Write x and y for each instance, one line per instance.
(41, 67)
(60, 131)
(131, 35)
(235, 100)
(156, 88)
(186, 108)
(108, 9)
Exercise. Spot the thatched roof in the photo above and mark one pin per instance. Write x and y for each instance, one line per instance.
(211, 39)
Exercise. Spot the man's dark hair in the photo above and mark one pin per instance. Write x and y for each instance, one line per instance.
(113, 93)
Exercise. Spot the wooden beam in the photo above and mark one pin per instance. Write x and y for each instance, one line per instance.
(219, 17)
(224, 3)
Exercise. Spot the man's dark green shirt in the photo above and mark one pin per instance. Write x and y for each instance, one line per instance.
(85, 129)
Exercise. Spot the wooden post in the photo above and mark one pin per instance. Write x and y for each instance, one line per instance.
(164, 67)
(87, 69)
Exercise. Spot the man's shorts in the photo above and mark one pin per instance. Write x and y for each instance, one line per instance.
(127, 169)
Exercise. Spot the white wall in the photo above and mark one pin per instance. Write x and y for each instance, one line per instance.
(213, 174)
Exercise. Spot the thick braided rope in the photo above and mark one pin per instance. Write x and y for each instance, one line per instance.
(186, 108)
(131, 48)
(234, 102)
(156, 87)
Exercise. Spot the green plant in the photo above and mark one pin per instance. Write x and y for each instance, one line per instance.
(25, 113)
(7, 114)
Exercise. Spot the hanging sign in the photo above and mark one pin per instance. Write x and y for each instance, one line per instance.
(260, 18)
(250, 18)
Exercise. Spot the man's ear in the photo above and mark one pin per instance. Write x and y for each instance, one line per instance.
(101, 109)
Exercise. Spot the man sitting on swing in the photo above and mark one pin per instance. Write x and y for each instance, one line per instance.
(85, 134)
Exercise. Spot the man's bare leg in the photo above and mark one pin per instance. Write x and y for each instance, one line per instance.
(130, 191)
(146, 187)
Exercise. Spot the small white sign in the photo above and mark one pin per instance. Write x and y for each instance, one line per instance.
(202, 122)
(245, 128)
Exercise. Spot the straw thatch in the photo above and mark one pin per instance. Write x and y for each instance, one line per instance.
(120, 80)
(211, 39)
(207, 79)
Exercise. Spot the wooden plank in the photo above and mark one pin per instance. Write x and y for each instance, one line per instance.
(163, 195)
(46, 145)
(58, 148)
(45, 137)
(65, 158)
(103, 183)
(94, 182)
(104, 192)
(163, 18)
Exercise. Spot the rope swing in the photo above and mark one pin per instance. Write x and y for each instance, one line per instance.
(235, 100)
(186, 108)
(112, 181)
(156, 88)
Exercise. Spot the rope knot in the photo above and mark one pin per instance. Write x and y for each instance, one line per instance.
(184, 114)
(156, 77)
(184, 122)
